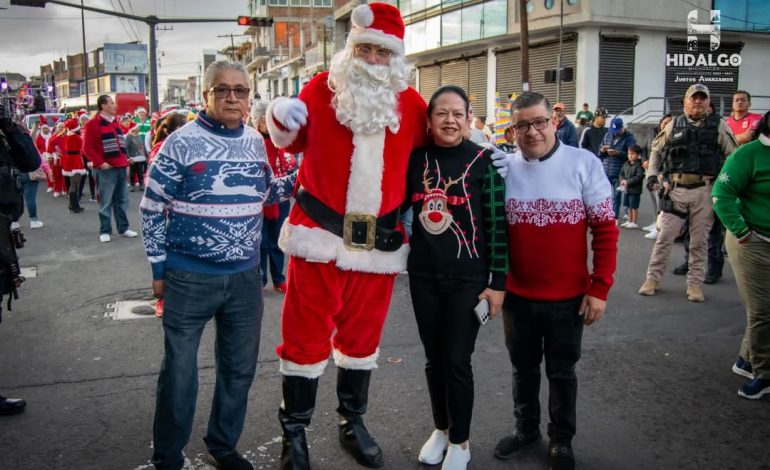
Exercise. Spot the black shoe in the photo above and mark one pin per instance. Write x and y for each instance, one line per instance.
(560, 456)
(353, 394)
(510, 445)
(712, 278)
(294, 415)
(234, 461)
(681, 270)
(11, 406)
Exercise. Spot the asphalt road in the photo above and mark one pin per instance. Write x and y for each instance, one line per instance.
(656, 390)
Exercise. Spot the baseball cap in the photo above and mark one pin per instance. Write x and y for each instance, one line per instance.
(559, 105)
(697, 88)
(600, 112)
(616, 125)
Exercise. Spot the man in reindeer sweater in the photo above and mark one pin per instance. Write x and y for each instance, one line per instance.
(356, 126)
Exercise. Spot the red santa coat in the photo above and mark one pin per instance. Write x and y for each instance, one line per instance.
(348, 173)
(72, 159)
(41, 143)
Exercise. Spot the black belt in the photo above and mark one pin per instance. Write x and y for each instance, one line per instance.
(359, 232)
(690, 186)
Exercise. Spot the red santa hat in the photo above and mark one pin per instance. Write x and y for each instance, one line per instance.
(81, 112)
(72, 125)
(43, 122)
(377, 23)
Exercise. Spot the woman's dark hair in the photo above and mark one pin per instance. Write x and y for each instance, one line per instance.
(665, 116)
(101, 101)
(763, 127)
(168, 125)
(448, 89)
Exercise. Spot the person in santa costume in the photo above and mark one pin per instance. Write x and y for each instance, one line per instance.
(41, 143)
(356, 126)
(72, 162)
(56, 148)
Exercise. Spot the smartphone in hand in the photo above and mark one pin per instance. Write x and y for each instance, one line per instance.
(482, 311)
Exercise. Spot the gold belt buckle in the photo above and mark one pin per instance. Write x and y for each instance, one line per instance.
(347, 231)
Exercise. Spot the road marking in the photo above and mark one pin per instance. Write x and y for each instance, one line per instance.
(130, 309)
(29, 272)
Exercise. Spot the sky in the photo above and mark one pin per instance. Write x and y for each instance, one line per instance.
(31, 37)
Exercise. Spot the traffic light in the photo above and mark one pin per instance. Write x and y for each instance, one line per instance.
(254, 21)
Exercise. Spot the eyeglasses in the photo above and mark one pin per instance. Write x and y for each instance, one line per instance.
(223, 92)
(365, 50)
(522, 127)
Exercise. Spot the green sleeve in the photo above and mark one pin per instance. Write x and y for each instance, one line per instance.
(495, 225)
(731, 182)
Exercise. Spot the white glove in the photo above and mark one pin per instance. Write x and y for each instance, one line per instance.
(500, 160)
(291, 113)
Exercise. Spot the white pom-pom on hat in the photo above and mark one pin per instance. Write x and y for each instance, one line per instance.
(362, 16)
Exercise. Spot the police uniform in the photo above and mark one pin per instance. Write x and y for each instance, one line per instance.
(688, 153)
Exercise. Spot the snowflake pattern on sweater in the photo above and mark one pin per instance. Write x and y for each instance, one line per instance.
(202, 207)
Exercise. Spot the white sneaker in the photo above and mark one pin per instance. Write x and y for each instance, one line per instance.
(652, 235)
(625, 224)
(49, 190)
(650, 227)
(55, 194)
(457, 458)
(432, 452)
(105, 237)
(129, 234)
(625, 216)
(35, 224)
(631, 225)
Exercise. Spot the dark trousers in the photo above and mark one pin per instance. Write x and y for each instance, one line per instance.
(269, 251)
(136, 173)
(448, 328)
(534, 328)
(716, 257)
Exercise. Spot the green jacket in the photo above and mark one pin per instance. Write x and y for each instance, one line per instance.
(741, 192)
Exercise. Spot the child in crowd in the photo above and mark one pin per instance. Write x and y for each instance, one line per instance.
(632, 179)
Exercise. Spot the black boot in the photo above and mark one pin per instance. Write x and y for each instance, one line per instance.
(294, 414)
(74, 205)
(353, 393)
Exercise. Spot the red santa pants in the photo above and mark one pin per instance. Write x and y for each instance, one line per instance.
(321, 298)
(58, 184)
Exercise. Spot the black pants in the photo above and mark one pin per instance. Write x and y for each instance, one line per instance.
(716, 256)
(448, 328)
(533, 328)
(136, 173)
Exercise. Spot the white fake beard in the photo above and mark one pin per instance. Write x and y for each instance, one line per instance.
(366, 95)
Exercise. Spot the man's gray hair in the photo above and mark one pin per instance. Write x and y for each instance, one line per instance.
(529, 99)
(216, 67)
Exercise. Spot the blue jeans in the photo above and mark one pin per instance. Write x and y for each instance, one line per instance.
(617, 197)
(29, 189)
(269, 249)
(191, 300)
(113, 198)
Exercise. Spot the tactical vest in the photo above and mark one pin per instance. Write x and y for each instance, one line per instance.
(693, 149)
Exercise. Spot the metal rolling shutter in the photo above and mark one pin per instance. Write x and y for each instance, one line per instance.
(508, 79)
(430, 77)
(616, 73)
(546, 57)
(455, 73)
(675, 90)
(477, 79)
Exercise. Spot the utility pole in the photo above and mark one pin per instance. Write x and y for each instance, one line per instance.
(524, 24)
(561, 41)
(85, 53)
(232, 43)
(150, 21)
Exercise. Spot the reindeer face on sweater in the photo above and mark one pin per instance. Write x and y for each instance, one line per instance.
(435, 215)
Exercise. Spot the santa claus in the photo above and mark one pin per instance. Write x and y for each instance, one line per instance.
(41, 143)
(356, 126)
(72, 163)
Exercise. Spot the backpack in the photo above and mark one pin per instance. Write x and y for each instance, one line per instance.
(11, 196)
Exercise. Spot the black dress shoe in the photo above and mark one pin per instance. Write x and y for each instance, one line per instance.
(234, 461)
(712, 278)
(681, 270)
(560, 456)
(510, 445)
(11, 406)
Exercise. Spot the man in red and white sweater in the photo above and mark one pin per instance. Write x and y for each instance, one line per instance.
(554, 194)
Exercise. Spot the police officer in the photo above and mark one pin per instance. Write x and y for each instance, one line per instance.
(687, 155)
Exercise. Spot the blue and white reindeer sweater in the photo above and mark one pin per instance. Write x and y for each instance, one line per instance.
(202, 206)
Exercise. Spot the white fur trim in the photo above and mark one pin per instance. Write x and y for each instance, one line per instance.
(73, 131)
(281, 138)
(366, 164)
(318, 245)
(362, 16)
(374, 36)
(764, 139)
(73, 172)
(309, 371)
(356, 363)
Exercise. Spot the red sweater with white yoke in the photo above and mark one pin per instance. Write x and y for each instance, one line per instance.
(550, 205)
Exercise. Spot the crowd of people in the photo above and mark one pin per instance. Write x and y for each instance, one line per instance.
(216, 220)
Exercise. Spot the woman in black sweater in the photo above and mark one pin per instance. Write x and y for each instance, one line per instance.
(459, 256)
